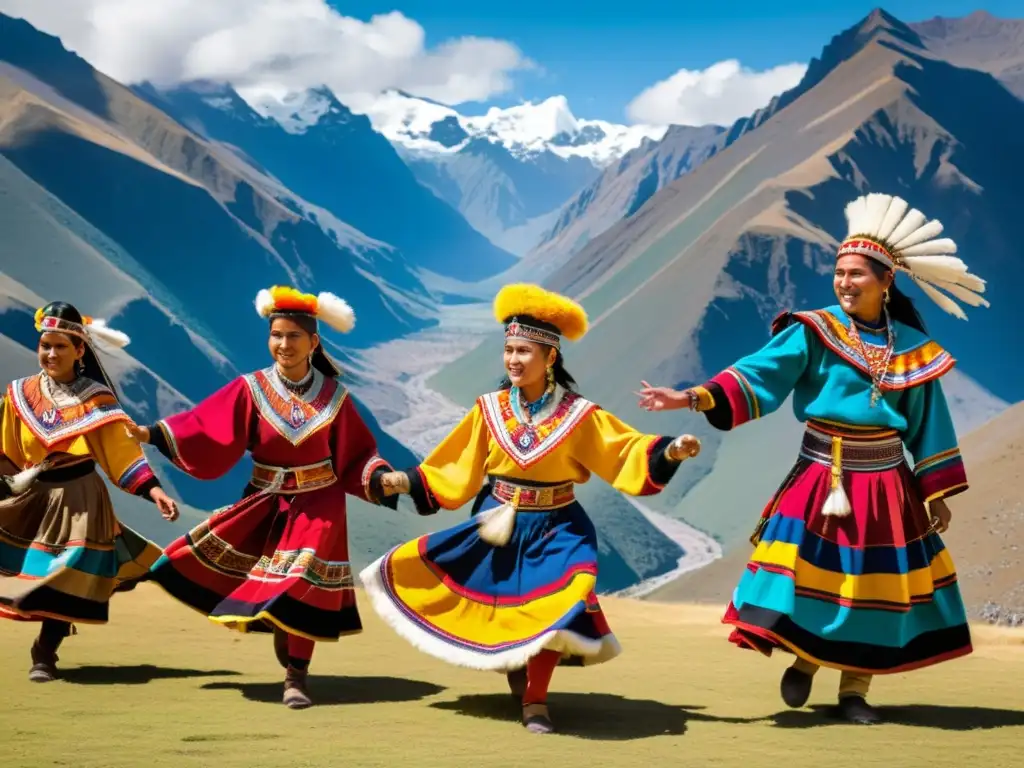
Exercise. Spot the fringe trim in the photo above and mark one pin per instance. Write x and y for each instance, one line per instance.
(560, 640)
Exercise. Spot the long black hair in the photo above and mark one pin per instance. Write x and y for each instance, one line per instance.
(309, 324)
(90, 367)
(901, 308)
(563, 378)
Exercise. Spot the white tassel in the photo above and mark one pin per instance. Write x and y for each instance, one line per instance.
(932, 229)
(897, 207)
(496, 524)
(100, 331)
(910, 223)
(837, 503)
(20, 482)
(943, 245)
(264, 303)
(941, 299)
(336, 312)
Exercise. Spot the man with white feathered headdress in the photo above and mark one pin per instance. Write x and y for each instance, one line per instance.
(277, 560)
(849, 570)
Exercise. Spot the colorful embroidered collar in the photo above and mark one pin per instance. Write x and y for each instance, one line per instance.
(526, 444)
(55, 415)
(916, 358)
(296, 417)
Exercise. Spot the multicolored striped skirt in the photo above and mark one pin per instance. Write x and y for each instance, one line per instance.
(271, 559)
(63, 552)
(467, 602)
(873, 592)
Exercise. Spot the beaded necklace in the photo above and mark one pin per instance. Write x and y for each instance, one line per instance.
(298, 387)
(876, 358)
(532, 409)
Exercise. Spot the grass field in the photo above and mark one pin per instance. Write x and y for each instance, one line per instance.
(161, 686)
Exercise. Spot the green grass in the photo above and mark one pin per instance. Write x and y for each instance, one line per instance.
(161, 686)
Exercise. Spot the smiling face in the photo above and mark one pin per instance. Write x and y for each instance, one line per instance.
(58, 355)
(290, 344)
(526, 363)
(860, 286)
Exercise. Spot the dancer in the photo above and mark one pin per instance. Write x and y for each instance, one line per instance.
(514, 585)
(277, 560)
(63, 552)
(848, 571)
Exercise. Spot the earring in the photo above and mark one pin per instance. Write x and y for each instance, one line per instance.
(551, 377)
(886, 295)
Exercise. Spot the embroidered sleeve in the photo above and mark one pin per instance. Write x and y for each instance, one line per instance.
(122, 459)
(630, 461)
(356, 461)
(454, 471)
(932, 442)
(207, 440)
(757, 384)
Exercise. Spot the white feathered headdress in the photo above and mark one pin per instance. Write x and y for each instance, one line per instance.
(90, 329)
(880, 227)
(285, 300)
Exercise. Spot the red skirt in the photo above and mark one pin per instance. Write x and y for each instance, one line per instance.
(875, 591)
(269, 560)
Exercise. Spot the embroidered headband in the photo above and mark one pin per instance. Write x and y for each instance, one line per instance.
(90, 330)
(880, 228)
(517, 330)
(283, 300)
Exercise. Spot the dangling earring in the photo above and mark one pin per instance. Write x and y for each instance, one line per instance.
(551, 377)
(886, 295)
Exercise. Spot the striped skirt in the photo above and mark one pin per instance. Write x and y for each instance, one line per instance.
(873, 592)
(472, 604)
(63, 552)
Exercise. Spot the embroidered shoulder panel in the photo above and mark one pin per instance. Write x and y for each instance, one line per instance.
(910, 368)
(526, 444)
(296, 417)
(84, 406)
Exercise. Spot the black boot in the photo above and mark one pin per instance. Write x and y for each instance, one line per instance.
(795, 687)
(857, 710)
(44, 650)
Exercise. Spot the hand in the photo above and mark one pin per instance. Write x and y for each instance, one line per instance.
(941, 515)
(392, 483)
(168, 508)
(664, 398)
(683, 447)
(136, 432)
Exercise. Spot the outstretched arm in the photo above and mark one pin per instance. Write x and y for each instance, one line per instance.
(356, 462)
(452, 474)
(630, 461)
(123, 461)
(751, 388)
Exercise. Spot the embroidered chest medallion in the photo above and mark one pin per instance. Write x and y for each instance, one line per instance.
(525, 443)
(55, 415)
(296, 417)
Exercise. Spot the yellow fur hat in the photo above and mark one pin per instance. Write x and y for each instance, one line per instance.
(525, 300)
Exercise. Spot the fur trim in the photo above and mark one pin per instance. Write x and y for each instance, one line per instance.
(98, 330)
(336, 312)
(560, 311)
(563, 641)
(264, 303)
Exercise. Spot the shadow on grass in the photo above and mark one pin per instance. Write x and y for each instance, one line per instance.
(943, 718)
(133, 674)
(596, 716)
(337, 689)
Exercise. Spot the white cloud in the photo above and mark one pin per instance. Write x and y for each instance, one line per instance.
(272, 47)
(720, 94)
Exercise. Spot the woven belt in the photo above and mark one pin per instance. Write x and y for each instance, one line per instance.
(534, 498)
(850, 450)
(288, 480)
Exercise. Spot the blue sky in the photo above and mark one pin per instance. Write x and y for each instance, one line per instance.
(601, 55)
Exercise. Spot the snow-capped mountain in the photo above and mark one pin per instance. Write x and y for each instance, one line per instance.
(508, 172)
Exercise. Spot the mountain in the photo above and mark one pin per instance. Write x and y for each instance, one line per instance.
(979, 41)
(691, 280)
(507, 171)
(321, 150)
(114, 206)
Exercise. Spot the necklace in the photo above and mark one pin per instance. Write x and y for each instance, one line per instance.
(877, 359)
(532, 409)
(300, 386)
